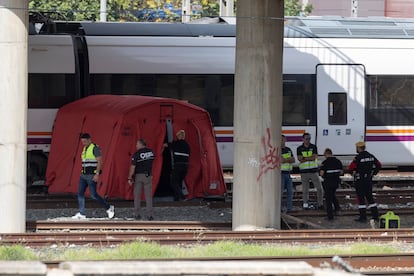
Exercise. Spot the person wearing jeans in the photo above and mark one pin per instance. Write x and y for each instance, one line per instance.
(85, 181)
(285, 170)
(91, 170)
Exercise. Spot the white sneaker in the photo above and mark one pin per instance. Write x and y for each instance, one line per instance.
(79, 216)
(111, 211)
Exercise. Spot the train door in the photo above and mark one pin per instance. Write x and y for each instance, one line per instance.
(341, 107)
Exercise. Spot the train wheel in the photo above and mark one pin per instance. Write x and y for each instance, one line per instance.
(36, 170)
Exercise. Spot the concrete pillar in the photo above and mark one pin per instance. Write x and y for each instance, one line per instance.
(258, 114)
(186, 11)
(354, 8)
(103, 11)
(226, 8)
(13, 112)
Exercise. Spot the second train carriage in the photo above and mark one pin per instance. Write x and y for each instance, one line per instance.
(345, 80)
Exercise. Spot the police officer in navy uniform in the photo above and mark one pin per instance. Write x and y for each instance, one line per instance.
(180, 158)
(331, 170)
(140, 174)
(364, 167)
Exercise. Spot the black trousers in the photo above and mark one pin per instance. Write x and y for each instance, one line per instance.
(330, 198)
(363, 189)
(178, 174)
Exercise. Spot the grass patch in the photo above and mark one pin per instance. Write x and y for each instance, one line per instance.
(16, 253)
(150, 250)
(236, 249)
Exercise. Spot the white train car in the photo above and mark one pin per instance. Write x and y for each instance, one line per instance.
(345, 80)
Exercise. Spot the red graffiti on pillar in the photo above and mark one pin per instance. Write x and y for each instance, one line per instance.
(271, 159)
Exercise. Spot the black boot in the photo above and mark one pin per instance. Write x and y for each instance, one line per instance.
(362, 215)
(374, 213)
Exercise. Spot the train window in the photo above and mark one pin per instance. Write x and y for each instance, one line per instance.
(390, 100)
(299, 106)
(337, 108)
(123, 84)
(51, 90)
(211, 92)
(214, 93)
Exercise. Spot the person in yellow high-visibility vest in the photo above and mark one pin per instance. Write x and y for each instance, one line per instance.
(307, 154)
(285, 169)
(91, 169)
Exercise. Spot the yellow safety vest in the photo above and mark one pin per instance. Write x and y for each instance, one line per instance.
(89, 162)
(308, 164)
(286, 166)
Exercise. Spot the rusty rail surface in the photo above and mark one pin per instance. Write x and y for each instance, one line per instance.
(369, 264)
(383, 196)
(106, 238)
(49, 225)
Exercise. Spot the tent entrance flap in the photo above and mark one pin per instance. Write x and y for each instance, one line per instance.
(170, 135)
(164, 185)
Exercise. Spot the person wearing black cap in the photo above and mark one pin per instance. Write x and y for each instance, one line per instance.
(364, 167)
(91, 169)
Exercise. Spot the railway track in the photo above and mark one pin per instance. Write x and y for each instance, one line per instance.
(107, 238)
(322, 213)
(345, 196)
(177, 225)
(369, 264)
(96, 234)
(122, 225)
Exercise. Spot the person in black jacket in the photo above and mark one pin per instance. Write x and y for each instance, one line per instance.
(331, 170)
(140, 175)
(180, 155)
(364, 167)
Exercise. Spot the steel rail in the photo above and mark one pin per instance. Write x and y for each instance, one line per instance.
(47, 225)
(176, 225)
(70, 197)
(116, 225)
(371, 264)
(322, 213)
(402, 196)
(100, 238)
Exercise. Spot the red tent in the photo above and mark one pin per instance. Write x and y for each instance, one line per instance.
(115, 124)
